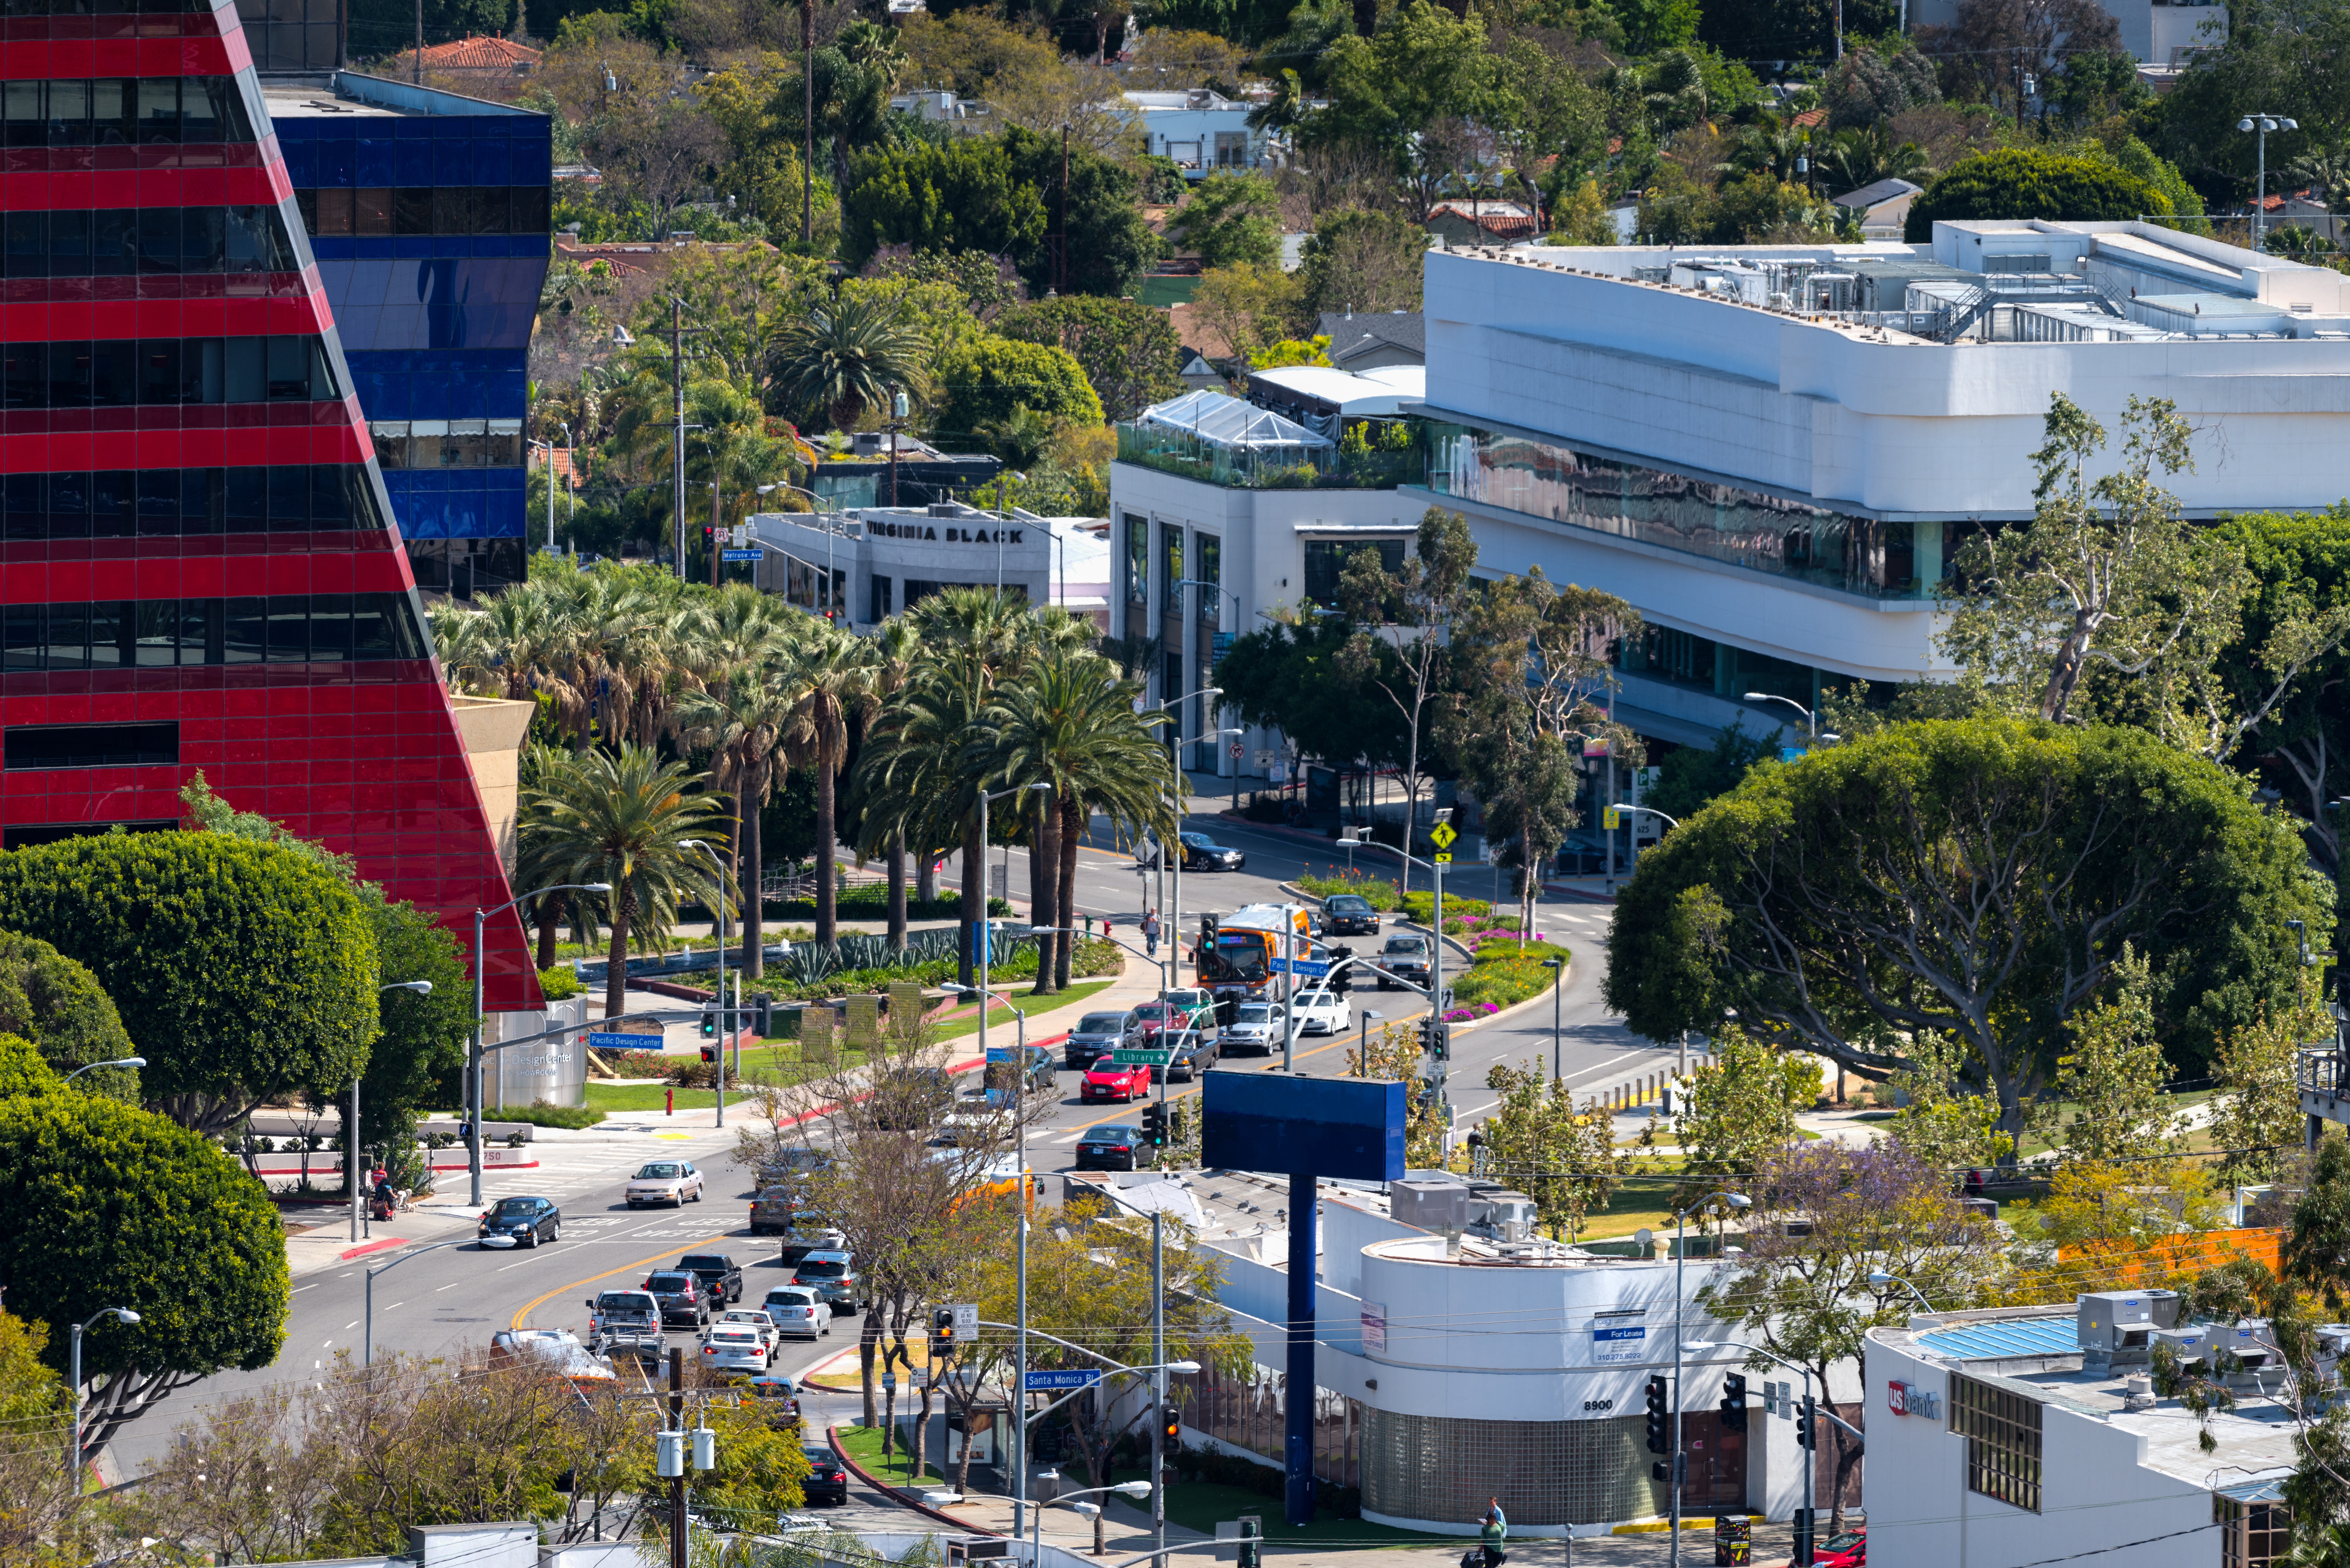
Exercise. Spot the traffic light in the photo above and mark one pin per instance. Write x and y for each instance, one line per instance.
(1733, 1403)
(1208, 933)
(709, 1025)
(1805, 1437)
(942, 1330)
(710, 1053)
(1154, 1126)
(1436, 1038)
(1252, 1554)
(1171, 1422)
(1660, 1420)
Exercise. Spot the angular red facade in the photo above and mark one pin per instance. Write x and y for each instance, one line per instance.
(199, 567)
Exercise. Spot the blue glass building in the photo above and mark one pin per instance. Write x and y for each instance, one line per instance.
(428, 214)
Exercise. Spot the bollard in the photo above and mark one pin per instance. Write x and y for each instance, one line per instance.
(669, 1095)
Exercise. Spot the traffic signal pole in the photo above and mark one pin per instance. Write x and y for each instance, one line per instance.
(1158, 1378)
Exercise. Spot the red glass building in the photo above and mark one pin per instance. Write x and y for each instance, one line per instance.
(199, 567)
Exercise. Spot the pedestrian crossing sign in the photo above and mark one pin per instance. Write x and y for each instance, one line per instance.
(1442, 835)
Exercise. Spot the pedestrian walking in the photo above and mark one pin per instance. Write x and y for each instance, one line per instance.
(1150, 932)
(1494, 1534)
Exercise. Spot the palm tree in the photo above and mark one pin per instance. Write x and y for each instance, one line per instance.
(1021, 437)
(1068, 722)
(537, 864)
(623, 818)
(844, 354)
(829, 676)
(895, 649)
(745, 719)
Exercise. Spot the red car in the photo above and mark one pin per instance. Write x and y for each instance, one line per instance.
(1849, 1550)
(1107, 1081)
(1155, 1016)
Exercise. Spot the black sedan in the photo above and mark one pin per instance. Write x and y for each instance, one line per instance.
(520, 1223)
(1193, 1054)
(827, 1479)
(1349, 915)
(1110, 1149)
(1201, 853)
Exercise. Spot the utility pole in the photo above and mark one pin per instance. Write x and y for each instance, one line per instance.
(715, 552)
(1061, 251)
(677, 390)
(1158, 1377)
(677, 1481)
(420, 43)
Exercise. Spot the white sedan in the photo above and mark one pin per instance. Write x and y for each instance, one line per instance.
(752, 1317)
(665, 1181)
(1323, 1012)
(797, 1310)
(734, 1348)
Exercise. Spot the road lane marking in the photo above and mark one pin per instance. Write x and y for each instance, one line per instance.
(298, 1290)
(522, 1314)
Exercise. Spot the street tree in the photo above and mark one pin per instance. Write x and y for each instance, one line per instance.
(2109, 1102)
(1803, 1291)
(137, 1212)
(1944, 1115)
(241, 970)
(1537, 1141)
(1739, 1103)
(58, 1005)
(42, 1519)
(1128, 349)
(1977, 878)
(1395, 1053)
(2300, 565)
(2256, 1115)
(1231, 217)
(1415, 609)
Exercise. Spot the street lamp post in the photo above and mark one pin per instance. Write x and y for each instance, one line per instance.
(94, 1066)
(1557, 984)
(1811, 719)
(1680, 1297)
(73, 1442)
(1363, 1021)
(351, 1133)
(718, 940)
(473, 1064)
(2260, 125)
(1879, 1277)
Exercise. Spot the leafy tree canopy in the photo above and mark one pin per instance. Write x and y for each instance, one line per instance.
(984, 381)
(58, 1005)
(1127, 348)
(2021, 183)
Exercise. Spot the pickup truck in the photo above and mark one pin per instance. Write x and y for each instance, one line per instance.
(721, 1276)
(624, 1323)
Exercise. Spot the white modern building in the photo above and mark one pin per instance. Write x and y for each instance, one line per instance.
(1202, 131)
(2153, 32)
(2014, 1448)
(870, 562)
(1455, 1369)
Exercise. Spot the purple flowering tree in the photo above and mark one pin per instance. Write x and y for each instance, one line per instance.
(1826, 1215)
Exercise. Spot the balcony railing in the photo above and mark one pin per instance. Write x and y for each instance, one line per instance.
(1278, 468)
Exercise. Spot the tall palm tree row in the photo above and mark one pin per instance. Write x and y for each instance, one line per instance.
(970, 692)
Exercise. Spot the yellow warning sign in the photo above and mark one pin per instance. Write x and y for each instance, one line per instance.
(1442, 835)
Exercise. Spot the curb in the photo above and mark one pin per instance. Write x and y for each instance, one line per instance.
(386, 1243)
(832, 1437)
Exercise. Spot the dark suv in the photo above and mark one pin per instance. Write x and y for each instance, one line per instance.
(826, 1481)
(1349, 915)
(1096, 1034)
(681, 1298)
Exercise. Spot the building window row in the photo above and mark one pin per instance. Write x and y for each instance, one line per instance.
(118, 243)
(105, 7)
(2253, 1534)
(447, 444)
(1138, 560)
(160, 634)
(123, 111)
(1882, 559)
(121, 372)
(161, 503)
(34, 748)
(2003, 1432)
(328, 211)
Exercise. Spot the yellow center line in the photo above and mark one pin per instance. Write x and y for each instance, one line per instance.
(522, 1314)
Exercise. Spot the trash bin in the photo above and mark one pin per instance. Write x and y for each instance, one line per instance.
(1733, 1541)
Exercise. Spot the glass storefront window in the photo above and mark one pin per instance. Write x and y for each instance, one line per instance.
(1723, 523)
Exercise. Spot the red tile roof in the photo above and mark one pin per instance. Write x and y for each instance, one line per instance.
(479, 53)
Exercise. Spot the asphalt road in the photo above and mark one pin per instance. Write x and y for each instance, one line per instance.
(449, 1301)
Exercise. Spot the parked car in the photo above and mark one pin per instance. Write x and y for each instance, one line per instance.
(741, 1348)
(833, 1277)
(799, 1312)
(1322, 1012)
(720, 1275)
(626, 1322)
(673, 1181)
(1349, 915)
(681, 1298)
(827, 1479)
(754, 1317)
(1097, 1034)
(1848, 1550)
(788, 1166)
(1110, 1149)
(1109, 1081)
(1034, 1074)
(1255, 1026)
(519, 1222)
(1405, 957)
(1193, 1053)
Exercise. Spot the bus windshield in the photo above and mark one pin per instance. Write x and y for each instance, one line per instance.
(1238, 955)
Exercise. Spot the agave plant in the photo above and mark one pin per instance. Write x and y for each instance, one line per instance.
(809, 963)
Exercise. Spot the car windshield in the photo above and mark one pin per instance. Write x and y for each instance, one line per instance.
(790, 1298)
(1347, 904)
(658, 1173)
(803, 1159)
(1199, 841)
(823, 1269)
(1407, 945)
(1845, 1542)
(670, 1283)
(510, 1206)
(822, 1459)
(623, 1300)
(735, 1336)
(1253, 1012)
(1152, 1011)
(1101, 1022)
(1113, 1135)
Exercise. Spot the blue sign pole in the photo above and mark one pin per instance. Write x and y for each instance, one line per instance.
(1305, 1259)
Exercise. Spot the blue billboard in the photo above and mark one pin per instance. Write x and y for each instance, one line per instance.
(1350, 1128)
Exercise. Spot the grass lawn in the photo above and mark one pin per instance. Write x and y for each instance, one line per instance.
(864, 1445)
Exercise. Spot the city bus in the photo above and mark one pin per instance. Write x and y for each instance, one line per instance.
(1237, 964)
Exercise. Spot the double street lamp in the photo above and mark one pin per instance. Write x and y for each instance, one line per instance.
(473, 1063)
(2260, 125)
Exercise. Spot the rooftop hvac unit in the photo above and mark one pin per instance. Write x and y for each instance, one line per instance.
(2193, 1346)
(2245, 1346)
(2114, 1325)
(1429, 1205)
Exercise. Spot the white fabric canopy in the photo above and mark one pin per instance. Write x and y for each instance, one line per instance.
(1220, 420)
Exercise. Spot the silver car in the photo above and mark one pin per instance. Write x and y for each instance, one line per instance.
(1097, 1033)
(1255, 1026)
(797, 1310)
(665, 1181)
(734, 1348)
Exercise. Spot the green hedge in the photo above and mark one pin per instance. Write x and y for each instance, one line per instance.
(560, 983)
(572, 1116)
